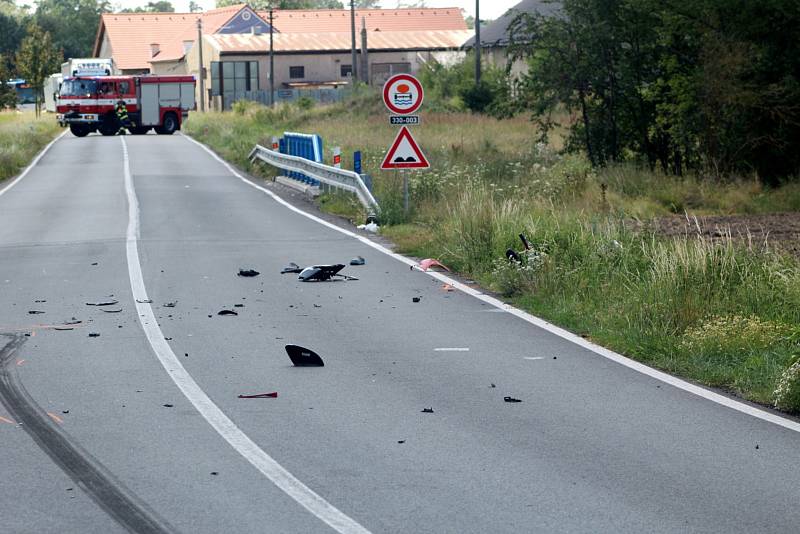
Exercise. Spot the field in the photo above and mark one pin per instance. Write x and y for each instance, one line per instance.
(681, 273)
(22, 135)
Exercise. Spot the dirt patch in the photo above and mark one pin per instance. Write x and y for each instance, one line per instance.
(777, 231)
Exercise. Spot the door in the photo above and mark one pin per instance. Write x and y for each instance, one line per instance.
(150, 108)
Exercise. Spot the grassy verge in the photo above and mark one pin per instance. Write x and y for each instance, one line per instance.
(22, 135)
(717, 312)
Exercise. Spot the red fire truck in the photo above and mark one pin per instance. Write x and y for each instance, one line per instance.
(88, 103)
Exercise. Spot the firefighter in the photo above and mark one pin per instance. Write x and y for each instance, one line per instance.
(122, 117)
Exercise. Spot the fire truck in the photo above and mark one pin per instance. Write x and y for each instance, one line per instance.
(88, 103)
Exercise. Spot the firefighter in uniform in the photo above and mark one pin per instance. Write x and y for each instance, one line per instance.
(122, 117)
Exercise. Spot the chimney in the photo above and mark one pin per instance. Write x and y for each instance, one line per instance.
(187, 45)
(154, 49)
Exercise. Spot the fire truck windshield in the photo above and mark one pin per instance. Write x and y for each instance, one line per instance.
(78, 88)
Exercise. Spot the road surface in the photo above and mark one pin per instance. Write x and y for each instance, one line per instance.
(141, 427)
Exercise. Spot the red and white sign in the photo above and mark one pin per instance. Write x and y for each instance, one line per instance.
(404, 153)
(402, 94)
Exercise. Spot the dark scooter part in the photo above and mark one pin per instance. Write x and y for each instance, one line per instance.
(303, 357)
(291, 268)
(322, 273)
(525, 241)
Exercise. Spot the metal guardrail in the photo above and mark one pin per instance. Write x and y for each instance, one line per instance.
(332, 176)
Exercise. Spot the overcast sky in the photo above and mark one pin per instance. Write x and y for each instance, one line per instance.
(490, 9)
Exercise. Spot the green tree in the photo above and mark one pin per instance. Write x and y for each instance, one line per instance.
(72, 23)
(8, 97)
(194, 7)
(12, 30)
(286, 4)
(37, 58)
(161, 6)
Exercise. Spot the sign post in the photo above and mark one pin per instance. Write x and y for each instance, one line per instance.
(403, 95)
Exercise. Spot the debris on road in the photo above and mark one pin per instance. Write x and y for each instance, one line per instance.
(273, 395)
(511, 399)
(303, 357)
(238, 305)
(401, 441)
(170, 304)
(448, 288)
(226, 312)
(291, 268)
(323, 273)
(416, 299)
(62, 328)
(428, 263)
(94, 334)
(35, 312)
(168, 405)
(145, 301)
(358, 260)
(73, 321)
(369, 227)
(109, 302)
(248, 273)
(427, 410)
(492, 385)
(40, 301)
(95, 263)
(116, 310)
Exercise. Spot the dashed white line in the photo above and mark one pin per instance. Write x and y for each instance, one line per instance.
(532, 319)
(226, 428)
(452, 349)
(534, 358)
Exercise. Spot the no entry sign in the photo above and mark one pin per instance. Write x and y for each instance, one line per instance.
(402, 94)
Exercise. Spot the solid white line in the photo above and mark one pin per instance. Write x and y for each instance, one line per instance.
(32, 163)
(226, 428)
(452, 349)
(532, 319)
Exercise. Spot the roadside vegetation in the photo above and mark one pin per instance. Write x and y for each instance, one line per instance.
(22, 135)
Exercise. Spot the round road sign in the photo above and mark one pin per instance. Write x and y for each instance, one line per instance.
(402, 94)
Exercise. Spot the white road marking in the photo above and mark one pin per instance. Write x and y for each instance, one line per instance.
(452, 349)
(34, 162)
(226, 428)
(534, 358)
(532, 319)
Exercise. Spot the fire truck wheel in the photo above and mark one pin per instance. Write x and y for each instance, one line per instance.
(79, 130)
(169, 126)
(108, 128)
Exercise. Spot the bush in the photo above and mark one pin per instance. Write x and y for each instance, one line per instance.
(787, 394)
(305, 103)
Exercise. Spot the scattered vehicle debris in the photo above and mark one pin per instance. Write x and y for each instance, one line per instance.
(214, 473)
(226, 312)
(303, 357)
(35, 312)
(249, 273)
(62, 328)
(73, 321)
(145, 301)
(511, 399)
(238, 305)
(492, 385)
(109, 302)
(358, 260)
(427, 410)
(273, 395)
(323, 273)
(428, 263)
(94, 334)
(401, 441)
(170, 304)
(291, 268)
(448, 288)
(94, 263)
(40, 301)
(369, 227)
(416, 299)
(115, 310)
(513, 255)
(168, 405)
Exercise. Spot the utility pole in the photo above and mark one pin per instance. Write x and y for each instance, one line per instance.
(354, 71)
(202, 70)
(271, 60)
(477, 42)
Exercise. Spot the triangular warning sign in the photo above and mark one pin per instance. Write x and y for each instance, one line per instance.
(405, 153)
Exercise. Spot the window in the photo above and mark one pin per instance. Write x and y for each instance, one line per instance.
(297, 72)
(346, 70)
(124, 88)
(231, 77)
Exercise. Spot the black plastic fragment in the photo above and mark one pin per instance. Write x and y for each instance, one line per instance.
(303, 357)
(416, 299)
(427, 410)
(511, 399)
(227, 312)
(94, 334)
(116, 310)
(170, 304)
(320, 273)
(109, 302)
(35, 312)
(249, 273)
(291, 268)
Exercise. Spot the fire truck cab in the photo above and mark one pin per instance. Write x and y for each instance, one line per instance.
(88, 103)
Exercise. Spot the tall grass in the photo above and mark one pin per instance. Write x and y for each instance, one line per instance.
(722, 312)
(22, 135)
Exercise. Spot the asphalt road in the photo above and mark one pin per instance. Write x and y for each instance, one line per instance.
(141, 428)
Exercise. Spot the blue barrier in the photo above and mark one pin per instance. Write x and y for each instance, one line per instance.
(305, 146)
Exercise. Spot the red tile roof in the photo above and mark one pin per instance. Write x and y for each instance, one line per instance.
(131, 34)
(338, 20)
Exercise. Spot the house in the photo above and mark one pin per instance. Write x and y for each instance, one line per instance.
(495, 37)
(311, 48)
